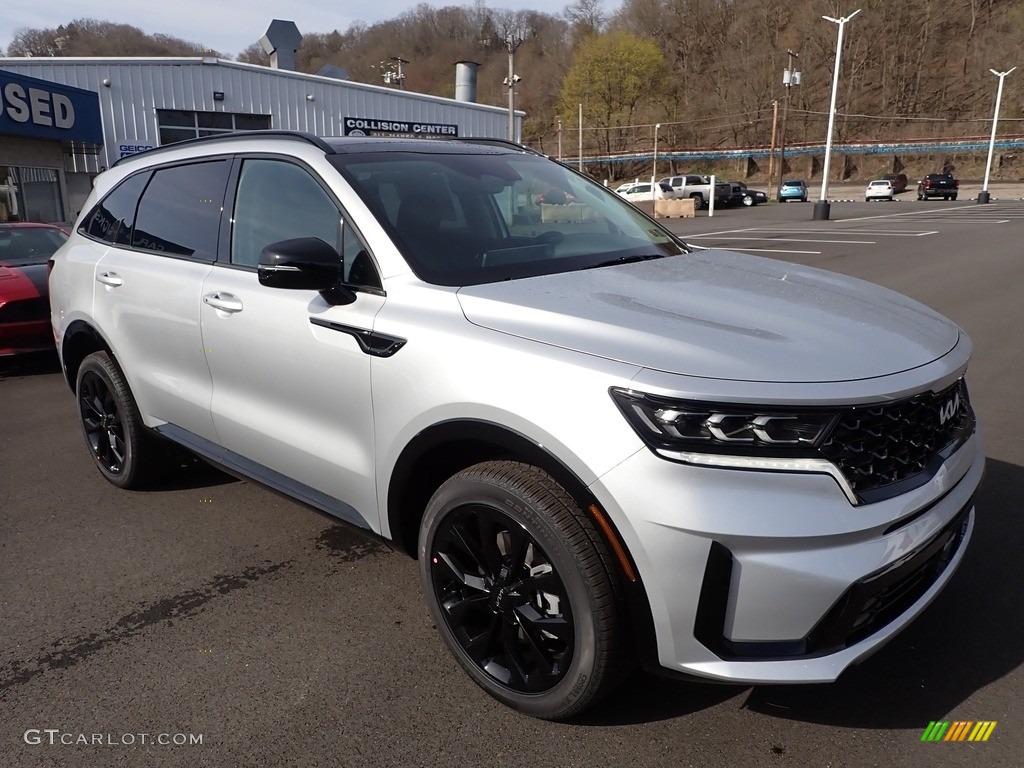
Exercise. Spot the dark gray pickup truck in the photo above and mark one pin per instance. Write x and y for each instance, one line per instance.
(938, 185)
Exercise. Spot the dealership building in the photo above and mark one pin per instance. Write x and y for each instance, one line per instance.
(63, 120)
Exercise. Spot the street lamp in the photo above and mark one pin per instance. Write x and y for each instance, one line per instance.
(654, 166)
(790, 77)
(822, 207)
(983, 196)
(512, 41)
(580, 151)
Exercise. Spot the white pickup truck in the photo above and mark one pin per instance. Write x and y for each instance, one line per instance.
(699, 188)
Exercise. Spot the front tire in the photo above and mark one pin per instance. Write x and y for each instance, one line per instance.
(125, 453)
(748, 200)
(522, 589)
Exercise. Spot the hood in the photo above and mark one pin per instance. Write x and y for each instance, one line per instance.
(720, 315)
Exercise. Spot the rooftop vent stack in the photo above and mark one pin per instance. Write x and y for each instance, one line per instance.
(280, 43)
(465, 81)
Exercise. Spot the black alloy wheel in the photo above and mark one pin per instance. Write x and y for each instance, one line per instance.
(103, 423)
(125, 452)
(504, 600)
(523, 590)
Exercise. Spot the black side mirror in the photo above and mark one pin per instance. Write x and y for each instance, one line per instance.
(303, 263)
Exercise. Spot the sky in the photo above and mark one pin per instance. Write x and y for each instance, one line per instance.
(228, 26)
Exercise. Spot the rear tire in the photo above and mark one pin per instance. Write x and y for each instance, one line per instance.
(952, 197)
(125, 452)
(523, 590)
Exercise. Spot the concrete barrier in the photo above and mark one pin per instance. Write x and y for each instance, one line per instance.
(683, 209)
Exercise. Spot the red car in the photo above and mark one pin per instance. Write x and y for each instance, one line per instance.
(25, 249)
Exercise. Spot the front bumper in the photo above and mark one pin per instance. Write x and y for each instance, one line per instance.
(767, 577)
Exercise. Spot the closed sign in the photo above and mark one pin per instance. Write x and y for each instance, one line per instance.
(45, 110)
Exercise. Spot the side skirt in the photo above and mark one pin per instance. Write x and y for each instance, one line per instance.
(236, 464)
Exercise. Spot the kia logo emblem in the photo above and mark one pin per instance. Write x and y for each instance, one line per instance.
(950, 409)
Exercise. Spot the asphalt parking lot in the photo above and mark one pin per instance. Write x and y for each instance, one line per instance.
(212, 607)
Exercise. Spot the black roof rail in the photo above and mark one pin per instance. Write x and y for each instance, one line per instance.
(489, 141)
(310, 138)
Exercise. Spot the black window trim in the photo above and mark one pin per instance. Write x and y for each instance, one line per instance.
(151, 170)
(228, 217)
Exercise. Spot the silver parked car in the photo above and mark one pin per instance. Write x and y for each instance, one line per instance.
(601, 445)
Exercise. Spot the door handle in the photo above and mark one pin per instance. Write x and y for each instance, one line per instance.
(226, 302)
(109, 278)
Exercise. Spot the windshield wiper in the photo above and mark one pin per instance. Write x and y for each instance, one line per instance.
(630, 260)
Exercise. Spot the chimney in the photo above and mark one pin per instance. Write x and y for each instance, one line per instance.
(465, 81)
(280, 43)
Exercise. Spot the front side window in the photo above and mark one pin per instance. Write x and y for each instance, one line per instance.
(179, 213)
(277, 200)
(468, 218)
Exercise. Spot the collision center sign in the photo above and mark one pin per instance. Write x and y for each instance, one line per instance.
(367, 126)
(43, 110)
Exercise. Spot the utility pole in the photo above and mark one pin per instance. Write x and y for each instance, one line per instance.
(512, 41)
(771, 152)
(789, 79)
(398, 76)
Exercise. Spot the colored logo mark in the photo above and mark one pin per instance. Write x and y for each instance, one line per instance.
(959, 730)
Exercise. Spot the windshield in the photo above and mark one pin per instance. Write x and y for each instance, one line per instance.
(21, 246)
(466, 219)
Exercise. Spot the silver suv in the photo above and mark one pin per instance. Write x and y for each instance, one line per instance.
(602, 447)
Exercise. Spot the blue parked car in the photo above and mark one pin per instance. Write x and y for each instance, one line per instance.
(795, 189)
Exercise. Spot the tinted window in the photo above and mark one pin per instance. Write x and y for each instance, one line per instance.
(113, 218)
(180, 210)
(464, 218)
(21, 246)
(276, 201)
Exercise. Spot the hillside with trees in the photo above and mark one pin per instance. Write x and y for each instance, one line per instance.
(707, 70)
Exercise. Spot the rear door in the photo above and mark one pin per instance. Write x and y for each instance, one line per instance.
(164, 235)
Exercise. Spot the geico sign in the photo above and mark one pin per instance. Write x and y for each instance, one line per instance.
(38, 106)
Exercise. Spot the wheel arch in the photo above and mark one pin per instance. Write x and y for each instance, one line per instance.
(441, 450)
(445, 448)
(80, 340)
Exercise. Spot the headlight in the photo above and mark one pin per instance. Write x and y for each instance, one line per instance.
(677, 425)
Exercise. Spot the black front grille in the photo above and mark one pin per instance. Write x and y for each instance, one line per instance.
(25, 310)
(885, 450)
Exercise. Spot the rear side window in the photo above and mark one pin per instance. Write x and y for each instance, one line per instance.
(112, 219)
(180, 210)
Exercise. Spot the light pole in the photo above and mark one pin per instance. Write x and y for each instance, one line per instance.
(983, 196)
(822, 207)
(789, 79)
(559, 139)
(580, 155)
(512, 41)
(654, 165)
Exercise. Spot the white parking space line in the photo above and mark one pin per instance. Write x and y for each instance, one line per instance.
(969, 220)
(906, 233)
(767, 250)
(790, 240)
